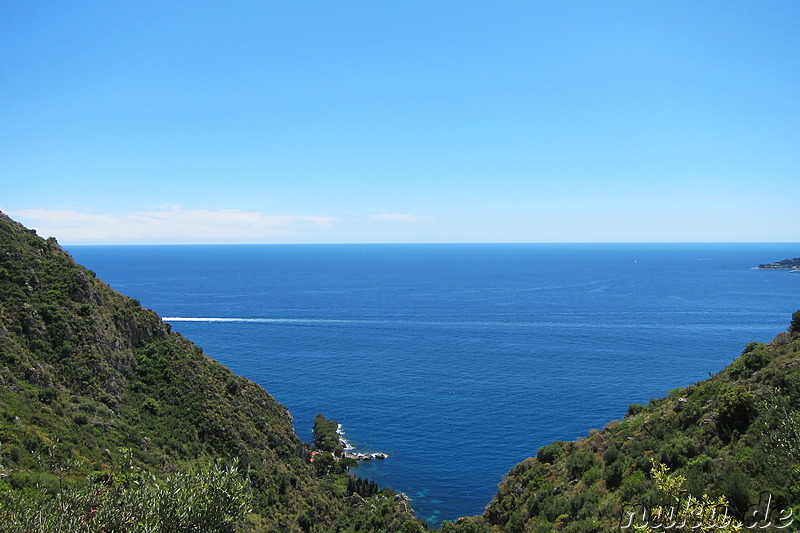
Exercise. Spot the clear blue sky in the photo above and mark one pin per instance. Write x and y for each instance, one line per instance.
(417, 121)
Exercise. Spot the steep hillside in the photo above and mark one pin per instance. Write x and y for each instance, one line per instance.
(90, 380)
(736, 435)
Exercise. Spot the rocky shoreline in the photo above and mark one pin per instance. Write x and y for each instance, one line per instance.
(364, 456)
(356, 456)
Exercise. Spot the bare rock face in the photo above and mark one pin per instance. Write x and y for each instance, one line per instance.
(356, 499)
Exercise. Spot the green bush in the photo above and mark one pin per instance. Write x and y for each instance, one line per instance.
(151, 405)
(550, 453)
(634, 409)
(48, 395)
(794, 327)
(211, 499)
(592, 475)
(611, 454)
(735, 410)
(736, 487)
(675, 452)
(632, 487)
(580, 462)
(613, 473)
(756, 356)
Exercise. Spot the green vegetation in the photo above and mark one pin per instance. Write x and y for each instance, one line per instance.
(734, 437)
(212, 499)
(681, 511)
(90, 380)
(326, 435)
(109, 421)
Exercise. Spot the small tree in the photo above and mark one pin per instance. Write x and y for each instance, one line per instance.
(794, 328)
(680, 511)
(735, 410)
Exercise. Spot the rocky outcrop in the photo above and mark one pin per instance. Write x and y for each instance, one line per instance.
(364, 456)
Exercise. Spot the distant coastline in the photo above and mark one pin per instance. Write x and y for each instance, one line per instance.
(786, 264)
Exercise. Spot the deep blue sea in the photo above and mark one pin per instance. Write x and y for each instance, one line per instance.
(461, 360)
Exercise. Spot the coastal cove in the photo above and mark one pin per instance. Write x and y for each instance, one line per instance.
(459, 361)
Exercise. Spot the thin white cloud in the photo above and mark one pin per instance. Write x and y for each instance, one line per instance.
(401, 217)
(168, 225)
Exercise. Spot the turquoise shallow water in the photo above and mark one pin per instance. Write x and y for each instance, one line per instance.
(461, 360)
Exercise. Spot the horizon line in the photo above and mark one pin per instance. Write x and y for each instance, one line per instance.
(449, 243)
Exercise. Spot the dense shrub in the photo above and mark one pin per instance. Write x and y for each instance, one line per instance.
(735, 410)
(550, 453)
(613, 473)
(794, 327)
(755, 356)
(580, 462)
(632, 487)
(212, 499)
(634, 409)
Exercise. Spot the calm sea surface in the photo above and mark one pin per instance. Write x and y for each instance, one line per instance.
(461, 360)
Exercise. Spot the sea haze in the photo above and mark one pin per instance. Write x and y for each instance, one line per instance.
(460, 360)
